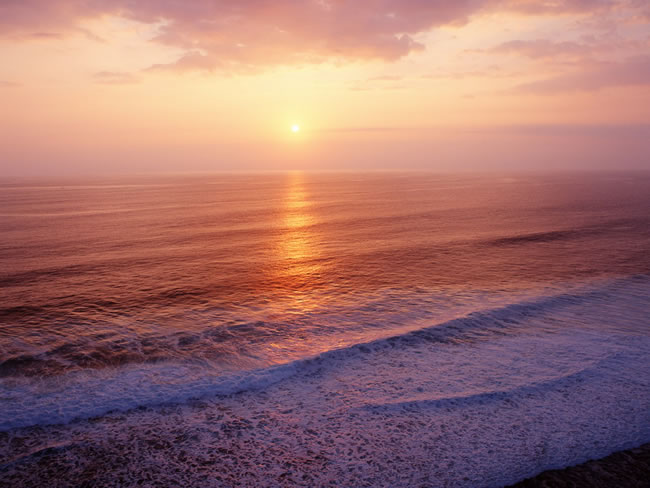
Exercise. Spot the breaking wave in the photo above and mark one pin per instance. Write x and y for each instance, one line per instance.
(614, 307)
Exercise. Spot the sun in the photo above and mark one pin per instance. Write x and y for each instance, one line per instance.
(295, 128)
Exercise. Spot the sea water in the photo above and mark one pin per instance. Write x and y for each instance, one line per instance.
(457, 330)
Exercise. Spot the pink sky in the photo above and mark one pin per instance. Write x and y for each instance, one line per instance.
(104, 86)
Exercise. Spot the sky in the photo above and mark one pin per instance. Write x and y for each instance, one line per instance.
(126, 86)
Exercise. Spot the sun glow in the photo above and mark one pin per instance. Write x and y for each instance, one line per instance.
(295, 128)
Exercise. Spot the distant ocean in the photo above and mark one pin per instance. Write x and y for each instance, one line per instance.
(379, 329)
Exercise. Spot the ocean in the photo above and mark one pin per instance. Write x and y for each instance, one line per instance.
(321, 329)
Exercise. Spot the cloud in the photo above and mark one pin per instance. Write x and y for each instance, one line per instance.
(191, 61)
(114, 78)
(232, 33)
(8, 84)
(368, 129)
(492, 71)
(237, 35)
(591, 48)
(385, 78)
(45, 35)
(542, 49)
(368, 87)
(540, 7)
(595, 76)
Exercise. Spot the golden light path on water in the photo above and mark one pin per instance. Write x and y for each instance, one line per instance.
(299, 246)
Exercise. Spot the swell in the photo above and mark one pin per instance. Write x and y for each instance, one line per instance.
(118, 348)
(84, 394)
(447, 261)
(611, 227)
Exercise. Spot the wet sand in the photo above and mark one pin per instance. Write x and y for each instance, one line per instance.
(623, 469)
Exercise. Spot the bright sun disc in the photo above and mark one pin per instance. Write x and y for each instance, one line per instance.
(295, 128)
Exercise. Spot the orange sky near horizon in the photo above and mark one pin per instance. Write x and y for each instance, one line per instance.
(107, 87)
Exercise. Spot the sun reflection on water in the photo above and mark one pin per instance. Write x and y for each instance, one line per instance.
(299, 245)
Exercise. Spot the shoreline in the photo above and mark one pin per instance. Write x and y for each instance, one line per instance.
(624, 469)
(486, 401)
(380, 417)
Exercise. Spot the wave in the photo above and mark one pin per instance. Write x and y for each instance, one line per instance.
(484, 397)
(609, 227)
(84, 394)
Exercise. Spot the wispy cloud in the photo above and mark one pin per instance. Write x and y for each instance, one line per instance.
(385, 78)
(384, 82)
(543, 49)
(114, 78)
(492, 71)
(8, 84)
(367, 129)
(595, 76)
(45, 35)
(191, 61)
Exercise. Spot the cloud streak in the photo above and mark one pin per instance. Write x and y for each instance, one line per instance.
(542, 49)
(595, 76)
(114, 78)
